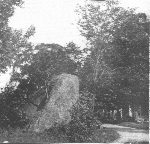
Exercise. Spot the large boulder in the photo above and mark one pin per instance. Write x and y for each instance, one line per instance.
(63, 96)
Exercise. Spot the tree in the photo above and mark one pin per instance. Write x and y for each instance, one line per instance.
(132, 49)
(12, 42)
(95, 27)
(7, 10)
(74, 52)
(47, 61)
(118, 46)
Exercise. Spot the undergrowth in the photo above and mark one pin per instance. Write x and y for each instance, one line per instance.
(83, 127)
(54, 136)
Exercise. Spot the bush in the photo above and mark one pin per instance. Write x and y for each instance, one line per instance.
(10, 113)
(83, 122)
(107, 119)
(128, 119)
(10, 117)
(104, 136)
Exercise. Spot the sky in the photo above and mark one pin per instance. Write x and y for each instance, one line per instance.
(56, 22)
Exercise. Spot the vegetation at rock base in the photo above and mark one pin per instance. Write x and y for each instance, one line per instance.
(19, 136)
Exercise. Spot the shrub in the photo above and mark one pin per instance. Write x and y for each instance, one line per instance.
(83, 122)
(128, 119)
(10, 117)
(107, 119)
(10, 113)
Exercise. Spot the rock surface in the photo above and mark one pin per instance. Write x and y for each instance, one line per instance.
(64, 94)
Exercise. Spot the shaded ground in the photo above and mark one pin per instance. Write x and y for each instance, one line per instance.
(108, 134)
(104, 136)
(128, 134)
(52, 136)
(144, 125)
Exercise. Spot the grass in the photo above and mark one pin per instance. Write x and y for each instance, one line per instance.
(21, 136)
(104, 136)
(144, 126)
(136, 142)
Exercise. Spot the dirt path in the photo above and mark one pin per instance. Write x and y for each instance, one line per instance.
(128, 134)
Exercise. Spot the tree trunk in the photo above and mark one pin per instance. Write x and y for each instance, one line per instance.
(133, 111)
(109, 115)
(125, 111)
(112, 114)
(118, 115)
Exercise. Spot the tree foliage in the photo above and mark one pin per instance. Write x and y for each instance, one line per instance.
(13, 44)
(117, 48)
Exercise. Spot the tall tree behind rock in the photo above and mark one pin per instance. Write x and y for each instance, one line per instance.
(95, 26)
(117, 48)
(34, 78)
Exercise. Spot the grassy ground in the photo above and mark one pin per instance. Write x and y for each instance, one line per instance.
(15, 136)
(18, 135)
(144, 126)
(104, 136)
(136, 142)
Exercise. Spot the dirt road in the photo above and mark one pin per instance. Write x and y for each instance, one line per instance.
(128, 134)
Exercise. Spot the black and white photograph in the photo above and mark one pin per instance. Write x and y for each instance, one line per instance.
(74, 71)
